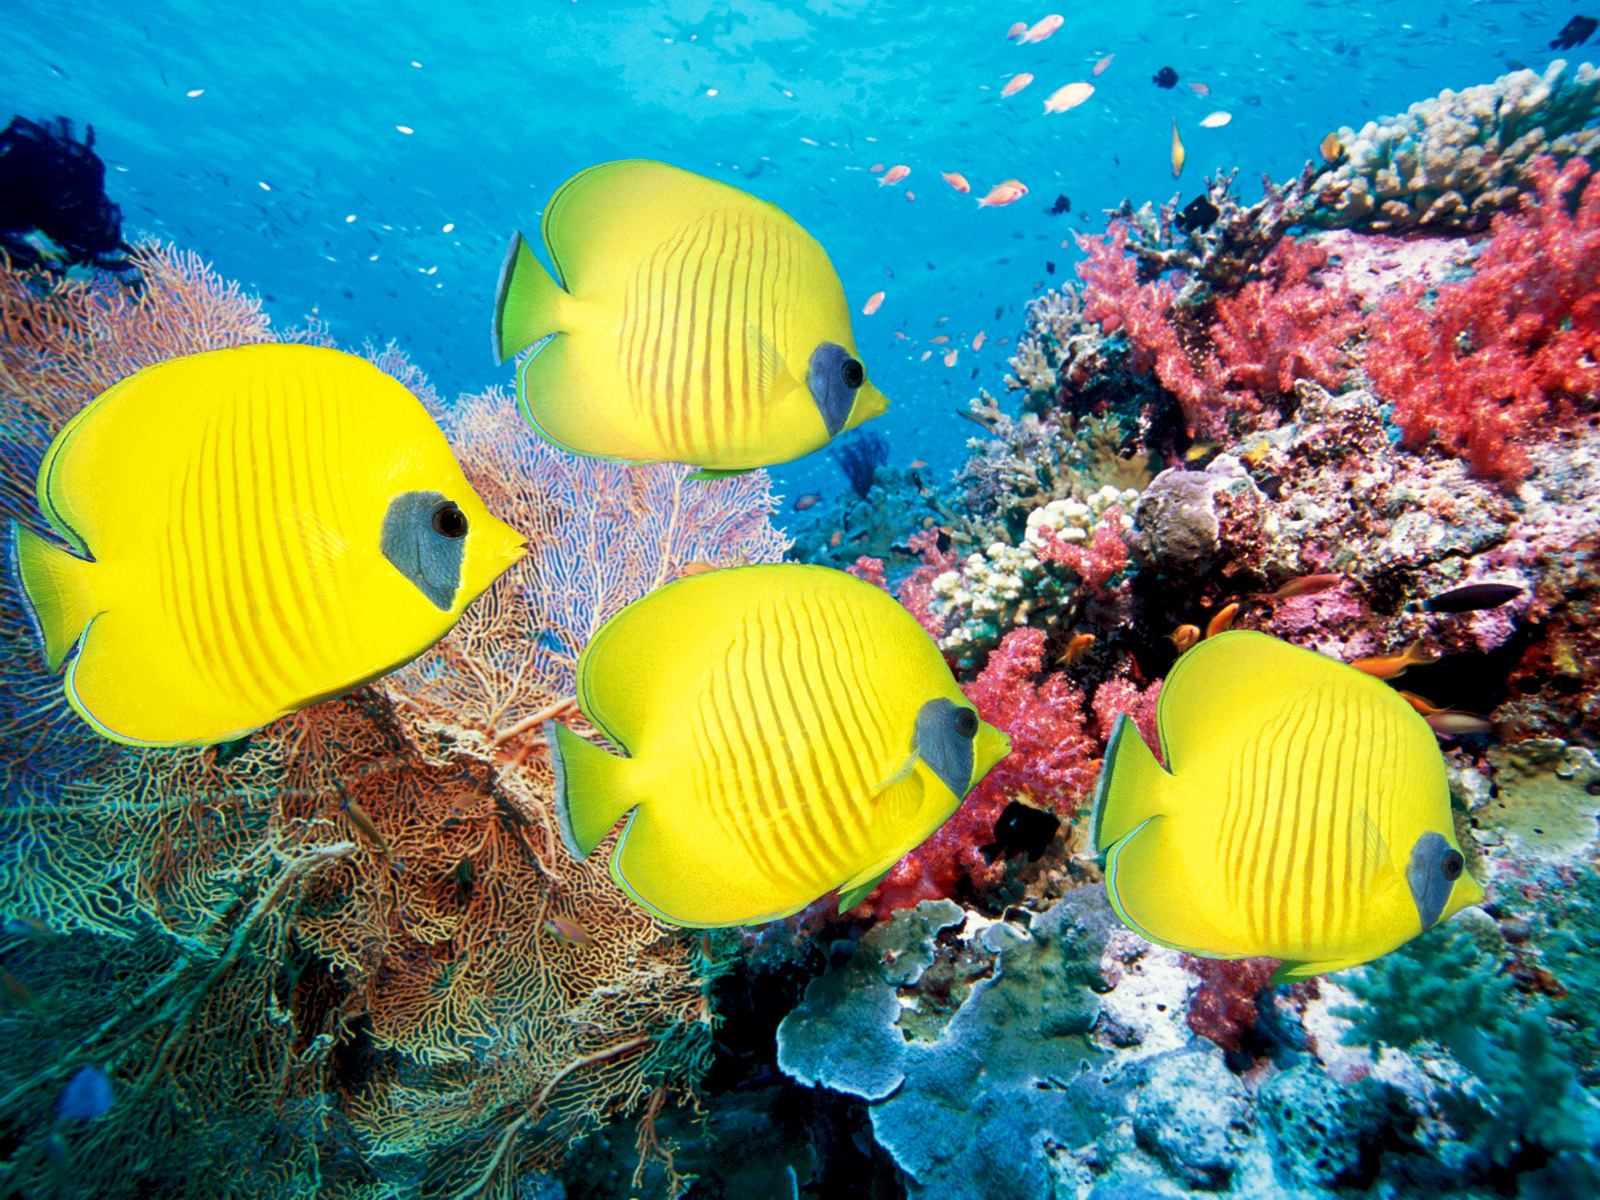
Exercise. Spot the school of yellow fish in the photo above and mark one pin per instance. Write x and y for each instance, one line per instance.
(248, 532)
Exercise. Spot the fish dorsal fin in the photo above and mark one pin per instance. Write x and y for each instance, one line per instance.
(1229, 685)
(621, 212)
(770, 374)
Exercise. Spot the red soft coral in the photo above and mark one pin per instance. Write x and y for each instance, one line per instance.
(916, 593)
(1272, 331)
(1052, 765)
(1223, 1007)
(870, 570)
(1504, 353)
(1283, 327)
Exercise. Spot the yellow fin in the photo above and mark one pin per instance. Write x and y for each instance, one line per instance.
(852, 895)
(773, 379)
(1131, 789)
(901, 771)
(1288, 972)
(56, 591)
(527, 302)
(592, 792)
(1148, 894)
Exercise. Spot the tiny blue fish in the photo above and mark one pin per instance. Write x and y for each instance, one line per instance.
(86, 1096)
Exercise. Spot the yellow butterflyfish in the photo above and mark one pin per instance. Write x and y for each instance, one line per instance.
(692, 323)
(255, 530)
(1302, 814)
(783, 731)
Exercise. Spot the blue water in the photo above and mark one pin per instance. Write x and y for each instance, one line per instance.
(288, 170)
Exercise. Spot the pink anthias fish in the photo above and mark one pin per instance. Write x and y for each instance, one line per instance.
(876, 167)
(956, 180)
(1016, 83)
(1200, 89)
(977, 342)
(1102, 64)
(1008, 192)
(1215, 120)
(1067, 97)
(926, 355)
(950, 359)
(894, 175)
(1016, 31)
(871, 306)
(1043, 28)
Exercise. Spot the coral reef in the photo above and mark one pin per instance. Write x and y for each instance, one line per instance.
(360, 893)
(1037, 582)
(1452, 162)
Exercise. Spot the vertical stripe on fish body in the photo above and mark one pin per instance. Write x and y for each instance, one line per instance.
(1303, 813)
(774, 728)
(231, 510)
(692, 323)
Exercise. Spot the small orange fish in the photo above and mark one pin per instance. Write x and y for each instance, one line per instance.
(917, 462)
(956, 180)
(1076, 648)
(567, 931)
(1426, 707)
(940, 339)
(926, 355)
(1305, 585)
(1200, 89)
(1102, 64)
(1070, 96)
(1007, 192)
(1184, 636)
(1016, 31)
(1453, 724)
(1177, 150)
(871, 306)
(1016, 83)
(1332, 149)
(950, 359)
(894, 174)
(977, 342)
(809, 500)
(359, 818)
(1223, 621)
(1043, 28)
(1388, 666)
(900, 333)
(838, 536)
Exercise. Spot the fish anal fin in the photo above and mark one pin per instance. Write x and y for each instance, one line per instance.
(855, 893)
(1288, 972)
(1146, 887)
(711, 474)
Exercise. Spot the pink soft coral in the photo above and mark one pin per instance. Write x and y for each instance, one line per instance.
(916, 593)
(1104, 557)
(1502, 354)
(1052, 765)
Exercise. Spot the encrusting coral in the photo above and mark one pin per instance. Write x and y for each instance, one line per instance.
(370, 881)
(1448, 164)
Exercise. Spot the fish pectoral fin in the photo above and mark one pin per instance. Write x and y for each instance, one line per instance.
(770, 374)
(1288, 972)
(852, 894)
(707, 474)
(900, 772)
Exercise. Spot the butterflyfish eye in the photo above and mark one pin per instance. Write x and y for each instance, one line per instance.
(967, 723)
(853, 373)
(1450, 866)
(449, 520)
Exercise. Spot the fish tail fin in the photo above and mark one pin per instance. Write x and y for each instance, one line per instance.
(56, 592)
(526, 302)
(1131, 787)
(591, 789)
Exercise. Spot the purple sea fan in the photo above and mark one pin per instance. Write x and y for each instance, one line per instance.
(859, 455)
(600, 536)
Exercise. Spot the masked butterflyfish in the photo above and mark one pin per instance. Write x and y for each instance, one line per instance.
(1302, 814)
(782, 731)
(692, 323)
(252, 530)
